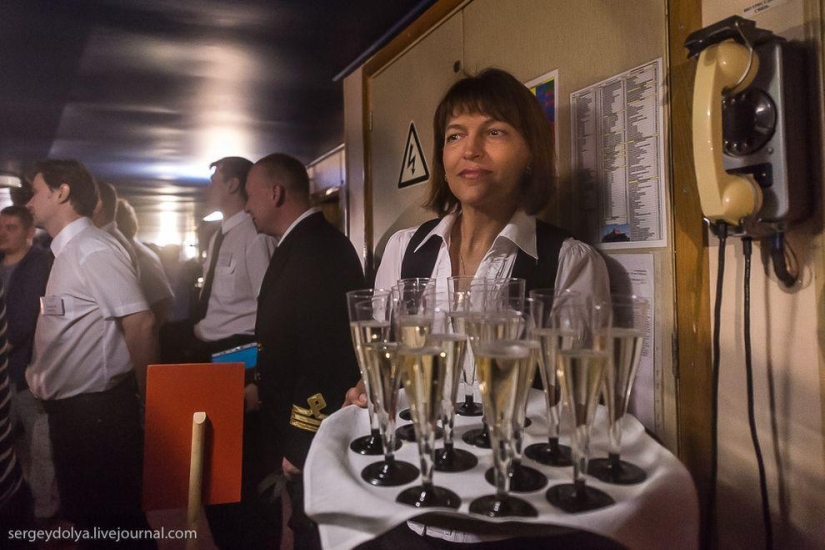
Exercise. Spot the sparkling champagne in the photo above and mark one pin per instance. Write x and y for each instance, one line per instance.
(367, 332)
(583, 376)
(619, 378)
(527, 371)
(493, 326)
(423, 371)
(498, 364)
(381, 365)
(413, 329)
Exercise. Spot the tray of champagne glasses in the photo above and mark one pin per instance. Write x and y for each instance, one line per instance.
(659, 510)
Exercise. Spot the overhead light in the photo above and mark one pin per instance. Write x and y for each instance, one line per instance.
(215, 216)
(8, 180)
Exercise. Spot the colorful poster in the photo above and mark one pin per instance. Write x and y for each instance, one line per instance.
(545, 88)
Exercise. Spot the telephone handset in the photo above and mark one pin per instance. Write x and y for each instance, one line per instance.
(749, 127)
(724, 69)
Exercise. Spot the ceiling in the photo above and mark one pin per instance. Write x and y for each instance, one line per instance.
(146, 93)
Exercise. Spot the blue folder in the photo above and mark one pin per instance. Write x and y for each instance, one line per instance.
(246, 354)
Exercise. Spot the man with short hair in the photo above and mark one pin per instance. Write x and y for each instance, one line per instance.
(94, 339)
(237, 258)
(25, 268)
(153, 280)
(103, 216)
(305, 361)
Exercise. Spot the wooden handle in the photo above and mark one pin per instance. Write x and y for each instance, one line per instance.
(196, 471)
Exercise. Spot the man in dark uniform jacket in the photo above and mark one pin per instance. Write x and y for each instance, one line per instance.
(305, 361)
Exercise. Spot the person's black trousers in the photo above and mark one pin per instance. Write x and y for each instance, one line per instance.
(97, 442)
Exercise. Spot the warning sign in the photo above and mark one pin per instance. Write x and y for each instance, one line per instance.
(414, 166)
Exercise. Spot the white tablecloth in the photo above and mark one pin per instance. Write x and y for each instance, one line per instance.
(660, 513)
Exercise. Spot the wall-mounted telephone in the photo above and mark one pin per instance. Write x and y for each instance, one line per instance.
(749, 127)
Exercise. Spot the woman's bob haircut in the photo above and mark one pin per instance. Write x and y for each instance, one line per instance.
(497, 94)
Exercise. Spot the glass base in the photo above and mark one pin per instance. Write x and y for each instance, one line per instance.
(478, 437)
(469, 408)
(549, 454)
(389, 474)
(568, 498)
(407, 433)
(523, 479)
(370, 445)
(454, 460)
(613, 470)
(405, 415)
(509, 506)
(427, 497)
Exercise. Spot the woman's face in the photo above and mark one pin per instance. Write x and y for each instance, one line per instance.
(484, 160)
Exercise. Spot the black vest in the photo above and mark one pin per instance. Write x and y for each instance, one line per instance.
(537, 274)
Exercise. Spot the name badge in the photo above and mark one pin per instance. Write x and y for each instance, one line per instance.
(52, 305)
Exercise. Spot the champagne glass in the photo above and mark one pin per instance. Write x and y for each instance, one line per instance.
(423, 373)
(413, 316)
(516, 314)
(499, 362)
(583, 364)
(367, 325)
(454, 347)
(553, 320)
(382, 366)
(629, 326)
(494, 304)
(460, 305)
(413, 286)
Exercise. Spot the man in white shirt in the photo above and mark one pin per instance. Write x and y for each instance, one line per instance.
(94, 339)
(236, 261)
(153, 279)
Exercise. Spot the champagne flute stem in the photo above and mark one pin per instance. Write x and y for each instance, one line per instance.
(615, 461)
(501, 461)
(553, 443)
(579, 492)
(616, 435)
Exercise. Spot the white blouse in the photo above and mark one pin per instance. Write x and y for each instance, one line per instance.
(581, 268)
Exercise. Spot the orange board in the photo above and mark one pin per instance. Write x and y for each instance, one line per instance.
(173, 394)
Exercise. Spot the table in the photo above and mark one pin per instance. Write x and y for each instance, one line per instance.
(662, 512)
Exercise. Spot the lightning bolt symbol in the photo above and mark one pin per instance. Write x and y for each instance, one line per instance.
(411, 162)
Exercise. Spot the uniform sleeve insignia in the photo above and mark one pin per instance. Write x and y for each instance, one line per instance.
(309, 419)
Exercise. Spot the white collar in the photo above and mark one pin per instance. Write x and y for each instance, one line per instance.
(69, 232)
(520, 230)
(298, 220)
(233, 221)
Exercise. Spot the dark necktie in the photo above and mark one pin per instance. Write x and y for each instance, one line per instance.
(203, 302)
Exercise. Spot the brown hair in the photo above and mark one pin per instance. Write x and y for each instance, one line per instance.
(499, 95)
(20, 212)
(126, 219)
(235, 167)
(82, 187)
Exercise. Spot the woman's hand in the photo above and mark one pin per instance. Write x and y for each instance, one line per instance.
(357, 395)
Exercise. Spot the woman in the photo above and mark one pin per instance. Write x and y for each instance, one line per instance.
(493, 172)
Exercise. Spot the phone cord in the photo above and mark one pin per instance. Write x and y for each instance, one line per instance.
(722, 233)
(763, 484)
